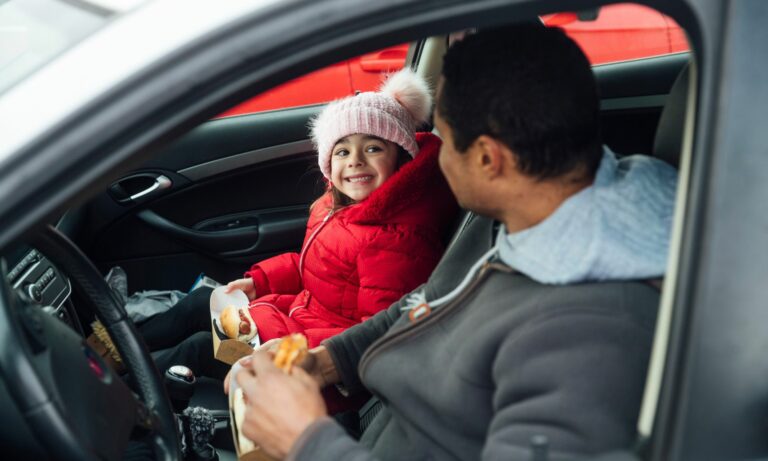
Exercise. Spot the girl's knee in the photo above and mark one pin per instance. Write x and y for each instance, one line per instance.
(200, 341)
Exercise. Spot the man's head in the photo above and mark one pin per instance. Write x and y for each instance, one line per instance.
(517, 105)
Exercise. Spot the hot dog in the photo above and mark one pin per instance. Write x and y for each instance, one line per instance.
(237, 323)
(291, 351)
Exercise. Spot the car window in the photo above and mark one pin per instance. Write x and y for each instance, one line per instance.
(362, 73)
(621, 32)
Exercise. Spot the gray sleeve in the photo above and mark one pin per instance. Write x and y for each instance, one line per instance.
(576, 379)
(325, 440)
(347, 348)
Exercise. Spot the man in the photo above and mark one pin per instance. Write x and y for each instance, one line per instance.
(544, 337)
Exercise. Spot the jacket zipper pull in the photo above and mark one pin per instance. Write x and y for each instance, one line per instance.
(495, 265)
(483, 269)
(539, 448)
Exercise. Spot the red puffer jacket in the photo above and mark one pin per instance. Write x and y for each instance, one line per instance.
(359, 260)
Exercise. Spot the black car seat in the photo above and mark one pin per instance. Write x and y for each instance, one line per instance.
(669, 134)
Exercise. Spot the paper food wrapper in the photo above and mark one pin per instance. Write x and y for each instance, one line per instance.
(226, 349)
(246, 449)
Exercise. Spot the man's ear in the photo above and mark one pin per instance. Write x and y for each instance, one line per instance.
(489, 156)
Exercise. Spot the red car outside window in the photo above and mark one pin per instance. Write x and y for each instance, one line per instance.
(620, 32)
(363, 73)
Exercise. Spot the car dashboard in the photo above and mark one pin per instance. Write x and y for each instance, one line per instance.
(37, 281)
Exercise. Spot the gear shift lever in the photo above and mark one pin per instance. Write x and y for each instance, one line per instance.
(198, 426)
(180, 383)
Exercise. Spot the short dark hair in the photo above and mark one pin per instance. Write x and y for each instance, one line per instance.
(530, 87)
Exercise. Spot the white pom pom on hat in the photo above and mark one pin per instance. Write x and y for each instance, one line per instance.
(412, 92)
(393, 113)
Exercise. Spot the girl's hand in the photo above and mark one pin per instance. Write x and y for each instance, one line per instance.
(246, 285)
(279, 406)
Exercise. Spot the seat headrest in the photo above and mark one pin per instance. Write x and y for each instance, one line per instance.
(669, 133)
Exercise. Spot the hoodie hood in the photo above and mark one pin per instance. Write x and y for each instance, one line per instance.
(616, 229)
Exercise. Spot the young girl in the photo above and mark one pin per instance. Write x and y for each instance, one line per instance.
(376, 234)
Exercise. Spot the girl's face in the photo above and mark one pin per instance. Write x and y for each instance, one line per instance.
(361, 163)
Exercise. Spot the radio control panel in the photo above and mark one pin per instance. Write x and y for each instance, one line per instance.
(36, 278)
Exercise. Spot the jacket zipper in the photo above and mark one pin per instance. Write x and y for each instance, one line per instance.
(309, 241)
(304, 252)
(415, 328)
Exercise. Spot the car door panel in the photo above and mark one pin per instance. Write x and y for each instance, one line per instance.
(241, 234)
(240, 190)
(231, 136)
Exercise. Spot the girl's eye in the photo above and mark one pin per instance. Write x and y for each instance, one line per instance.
(373, 149)
(341, 153)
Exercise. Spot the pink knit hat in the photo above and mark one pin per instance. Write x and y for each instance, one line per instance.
(393, 113)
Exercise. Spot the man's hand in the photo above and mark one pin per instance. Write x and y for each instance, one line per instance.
(318, 364)
(279, 406)
(320, 367)
(270, 347)
(244, 362)
(246, 285)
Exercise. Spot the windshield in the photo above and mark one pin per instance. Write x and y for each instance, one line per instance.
(33, 32)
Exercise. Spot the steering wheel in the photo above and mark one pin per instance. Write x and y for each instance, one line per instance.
(73, 403)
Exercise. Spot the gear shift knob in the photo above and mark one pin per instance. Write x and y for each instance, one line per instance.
(180, 383)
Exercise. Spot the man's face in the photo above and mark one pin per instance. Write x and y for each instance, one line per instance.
(455, 166)
(466, 172)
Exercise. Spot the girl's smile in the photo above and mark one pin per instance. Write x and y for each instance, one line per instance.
(359, 178)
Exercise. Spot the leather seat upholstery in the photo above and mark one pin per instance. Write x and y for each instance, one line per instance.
(669, 134)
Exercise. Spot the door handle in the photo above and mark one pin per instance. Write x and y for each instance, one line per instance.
(161, 182)
(384, 60)
(137, 187)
